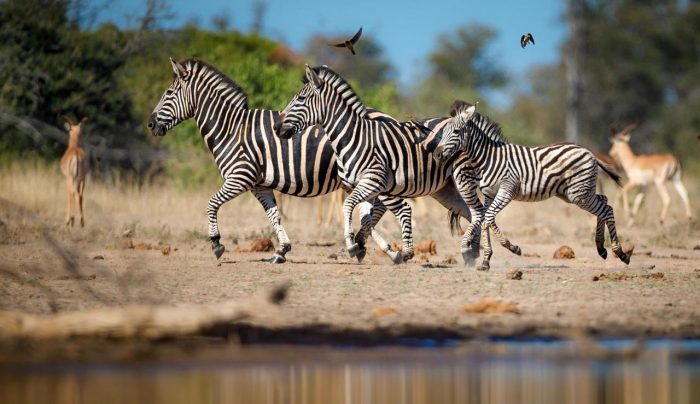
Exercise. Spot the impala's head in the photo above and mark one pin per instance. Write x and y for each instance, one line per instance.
(74, 128)
(620, 140)
(305, 109)
(176, 104)
(454, 137)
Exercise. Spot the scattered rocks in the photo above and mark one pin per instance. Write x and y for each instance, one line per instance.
(384, 311)
(654, 275)
(514, 274)
(98, 257)
(564, 252)
(426, 247)
(90, 277)
(625, 277)
(490, 306)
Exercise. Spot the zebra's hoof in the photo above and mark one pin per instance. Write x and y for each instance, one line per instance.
(624, 258)
(396, 257)
(277, 259)
(361, 253)
(354, 250)
(603, 253)
(219, 250)
(407, 257)
(485, 266)
(468, 257)
(516, 250)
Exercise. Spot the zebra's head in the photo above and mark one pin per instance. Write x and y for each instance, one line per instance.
(305, 109)
(454, 137)
(175, 105)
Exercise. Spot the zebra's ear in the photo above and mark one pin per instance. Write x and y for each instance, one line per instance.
(313, 78)
(178, 69)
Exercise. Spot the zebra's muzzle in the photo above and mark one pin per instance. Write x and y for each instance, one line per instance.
(156, 128)
(284, 131)
(439, 153)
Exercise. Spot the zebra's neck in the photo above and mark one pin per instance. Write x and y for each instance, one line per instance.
(215, 115)
(342, 126)
(480, 147)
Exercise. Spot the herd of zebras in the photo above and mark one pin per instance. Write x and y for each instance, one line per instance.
(326, 138)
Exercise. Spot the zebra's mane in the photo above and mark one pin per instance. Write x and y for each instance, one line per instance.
(342, 87)
(243, 96)
(487, 127)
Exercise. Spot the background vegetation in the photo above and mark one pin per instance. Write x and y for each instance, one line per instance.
(639, 62)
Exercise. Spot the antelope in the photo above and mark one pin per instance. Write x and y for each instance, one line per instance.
(645, 169)
(74, 166)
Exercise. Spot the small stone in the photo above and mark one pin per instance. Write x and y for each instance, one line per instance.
(627, 247)
(98, 257)
(426, 247)
(514, 274)
(564, 252)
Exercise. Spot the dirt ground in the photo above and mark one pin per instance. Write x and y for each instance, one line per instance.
(171, 262)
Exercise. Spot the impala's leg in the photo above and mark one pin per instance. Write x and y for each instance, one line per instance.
(233, 186)
(676, 180)
(665, 199)
(69, 208)
(507, 191)
(366, 190)
(625, 201)
(266, 197)
(81, 188)
(637, 204)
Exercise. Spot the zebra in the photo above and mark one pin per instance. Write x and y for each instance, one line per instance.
(375, 156)
(251, 158)
(507, 171)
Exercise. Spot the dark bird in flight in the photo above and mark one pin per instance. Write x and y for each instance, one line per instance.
(525, 39)
(349, 44)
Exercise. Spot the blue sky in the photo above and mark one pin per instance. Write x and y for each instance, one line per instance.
(408, 30)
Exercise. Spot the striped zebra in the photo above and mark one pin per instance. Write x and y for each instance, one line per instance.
(508, 171)
(375, 157)
(251, 158)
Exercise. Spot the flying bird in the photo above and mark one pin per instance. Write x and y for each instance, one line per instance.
(525, 39)
(349, 44)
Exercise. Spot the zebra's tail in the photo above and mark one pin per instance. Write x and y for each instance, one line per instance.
(455, 226)
(611, 172)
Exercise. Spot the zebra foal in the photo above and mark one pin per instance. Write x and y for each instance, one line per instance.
(509, 172)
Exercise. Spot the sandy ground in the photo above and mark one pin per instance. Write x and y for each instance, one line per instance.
(658, 294)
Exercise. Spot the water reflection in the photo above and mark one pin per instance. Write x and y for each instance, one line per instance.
(665, 372)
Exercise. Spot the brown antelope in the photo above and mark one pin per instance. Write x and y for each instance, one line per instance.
(74, 166)
(645, 169)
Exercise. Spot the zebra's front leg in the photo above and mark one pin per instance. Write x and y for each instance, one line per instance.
(502, 239)
(507, 191)
(466, 182)
(367, 223)
(402, 210)
(366, 190)
(267, 199)
(233, 186)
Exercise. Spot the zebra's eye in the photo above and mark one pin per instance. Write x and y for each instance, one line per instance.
(169, 92)
(301, 98)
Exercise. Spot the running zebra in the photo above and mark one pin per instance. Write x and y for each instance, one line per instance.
(375, 156)
(508, 171)
(251, 158)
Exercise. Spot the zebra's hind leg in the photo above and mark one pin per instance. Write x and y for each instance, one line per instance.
(600, 232)
(597, 205)
(507, 191)
(488, 250)
(233, 186)
(503, 240)
(367, 222)
(267, 199)
(403, 212)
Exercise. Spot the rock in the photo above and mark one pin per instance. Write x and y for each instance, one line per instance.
(450, 260)
(384, 311)
(531, 254)
(564, 252)
(166, 250)
(487, 306)
(98, 257)
(426, 247)
(697, 247)
(261, 245)
(627, 247)
(514, 274)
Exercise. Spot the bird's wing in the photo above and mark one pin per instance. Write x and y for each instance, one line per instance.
(532, 39)
(338, 45)
(357, 36)
(523, 42)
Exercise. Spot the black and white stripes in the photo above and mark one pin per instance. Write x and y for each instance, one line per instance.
(249, 156)
(512, 172)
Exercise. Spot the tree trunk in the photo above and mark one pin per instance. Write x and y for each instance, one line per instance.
(573, 56)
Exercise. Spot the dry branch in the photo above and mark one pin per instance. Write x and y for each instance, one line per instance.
(138, 321)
